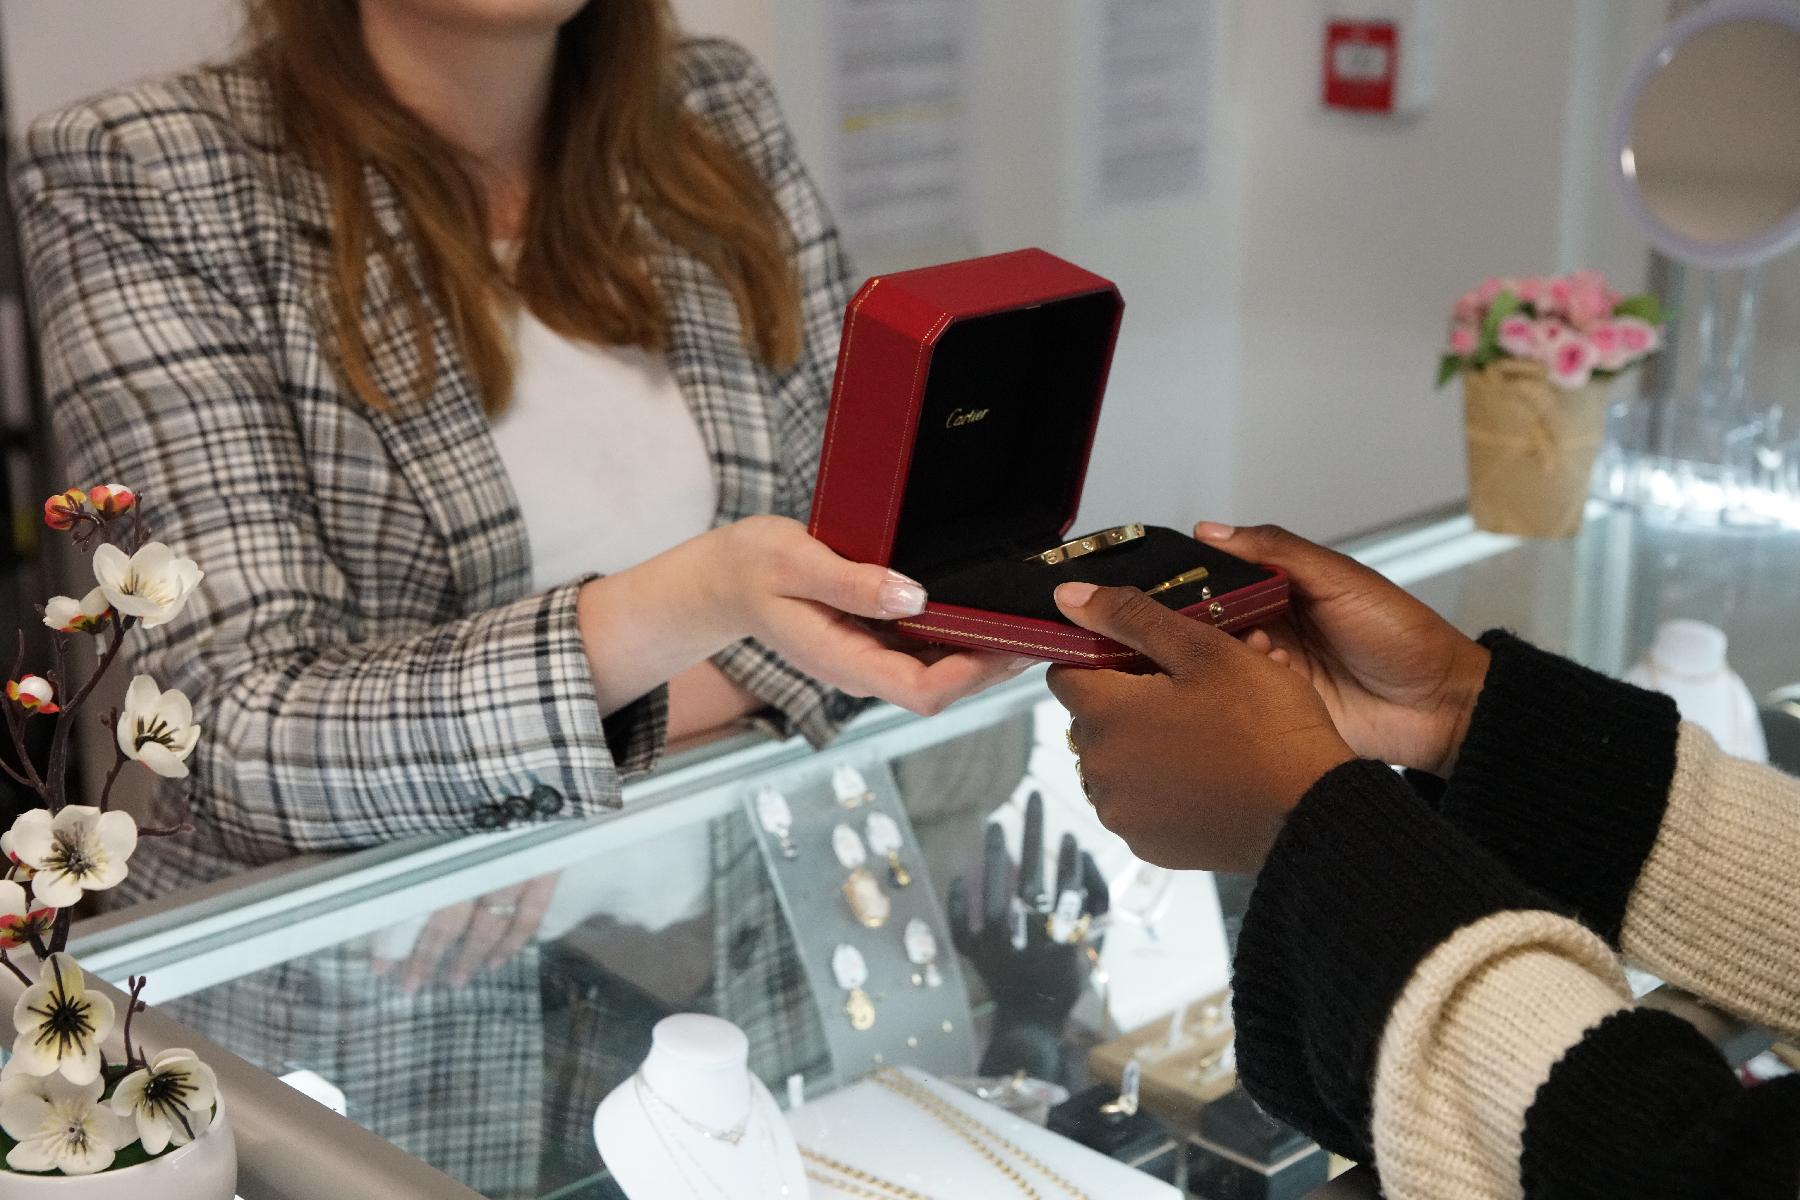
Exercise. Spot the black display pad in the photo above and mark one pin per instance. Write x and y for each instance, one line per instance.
(1008, 583)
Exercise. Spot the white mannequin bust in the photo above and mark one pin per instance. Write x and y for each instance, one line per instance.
(1687, 663)
(693, 1121)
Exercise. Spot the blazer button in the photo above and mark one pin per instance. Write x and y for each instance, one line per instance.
(489, 816)
(547, 800)
(518, 808)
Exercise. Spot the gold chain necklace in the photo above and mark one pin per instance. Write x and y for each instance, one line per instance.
(974, 1132)
(856, 1181)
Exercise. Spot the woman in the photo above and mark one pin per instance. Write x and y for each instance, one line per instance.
(1441, 990)
(479, 351)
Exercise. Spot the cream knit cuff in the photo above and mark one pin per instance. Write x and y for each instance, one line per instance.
(1716, 909)
(1481, 1023)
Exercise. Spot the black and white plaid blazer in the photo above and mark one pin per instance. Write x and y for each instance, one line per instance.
(366, 658)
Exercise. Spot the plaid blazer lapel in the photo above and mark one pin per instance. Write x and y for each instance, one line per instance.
(724, 387)
(442, 443)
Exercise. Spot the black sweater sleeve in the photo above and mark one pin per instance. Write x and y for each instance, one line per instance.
(1564, 777)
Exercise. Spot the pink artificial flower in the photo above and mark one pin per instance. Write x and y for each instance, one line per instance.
(1608, 346)
(1517, 336)
(1551, 332)
(1572, 363)
(1492, 286)
(1469, 308)
(1529, 289)
(1464, 339)
(1589, 305)
(1637, 337)
(1555, 300)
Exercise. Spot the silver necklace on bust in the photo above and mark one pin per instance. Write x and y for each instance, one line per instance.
(651, 1101)
(729, 1136)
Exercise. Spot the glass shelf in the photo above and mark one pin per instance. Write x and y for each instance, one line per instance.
(495, 1081)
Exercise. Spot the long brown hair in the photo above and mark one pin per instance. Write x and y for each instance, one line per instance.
(618, 145)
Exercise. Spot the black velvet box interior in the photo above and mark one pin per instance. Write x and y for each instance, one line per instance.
(998, 462)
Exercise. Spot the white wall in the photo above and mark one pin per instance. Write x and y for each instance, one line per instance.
(1281, 324)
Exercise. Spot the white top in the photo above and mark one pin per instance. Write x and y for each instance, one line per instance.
(609, 469)
(606, 460)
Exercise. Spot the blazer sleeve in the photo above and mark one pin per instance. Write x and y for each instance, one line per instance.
(744, 111)
(317, 734)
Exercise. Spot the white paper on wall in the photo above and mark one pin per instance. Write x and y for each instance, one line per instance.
(1146, 99)
(900, 91)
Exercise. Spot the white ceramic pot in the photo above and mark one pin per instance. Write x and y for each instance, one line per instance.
(204, 1169)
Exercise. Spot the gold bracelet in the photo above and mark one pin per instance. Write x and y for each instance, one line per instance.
(1186, 577)
(1106, 539)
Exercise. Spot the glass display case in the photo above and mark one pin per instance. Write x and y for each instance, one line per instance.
(349, 974)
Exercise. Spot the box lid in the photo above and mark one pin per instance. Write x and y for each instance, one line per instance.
(964, 409)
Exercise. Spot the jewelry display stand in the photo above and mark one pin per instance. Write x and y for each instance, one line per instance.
(891, 992)
(881, 1132)
(1185, 1059)
(693, 1121)
(1687, 663)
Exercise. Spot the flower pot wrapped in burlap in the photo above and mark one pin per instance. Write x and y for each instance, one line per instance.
(1531, 448)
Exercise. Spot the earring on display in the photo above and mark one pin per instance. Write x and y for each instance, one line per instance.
(851, 971)
(922, 952)
(851, 788)
(868, 902)
(848, 846)
(885, 839)
(776, 817)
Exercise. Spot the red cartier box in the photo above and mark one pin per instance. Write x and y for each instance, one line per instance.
(962, 420)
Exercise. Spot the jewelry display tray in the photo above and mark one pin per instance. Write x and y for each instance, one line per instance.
(875, 1130)
(962, 421)
(915, 1025)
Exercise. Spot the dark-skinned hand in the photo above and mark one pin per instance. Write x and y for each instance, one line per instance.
(1399, 681)
(1034, 986)
(1196, 763)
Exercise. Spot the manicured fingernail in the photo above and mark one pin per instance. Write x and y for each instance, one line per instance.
(1213, 531)
(1075, 595)
(900, 596)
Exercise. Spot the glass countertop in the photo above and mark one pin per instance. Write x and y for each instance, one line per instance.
(306, 967)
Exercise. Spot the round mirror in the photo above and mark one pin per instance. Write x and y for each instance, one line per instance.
(1708, 137)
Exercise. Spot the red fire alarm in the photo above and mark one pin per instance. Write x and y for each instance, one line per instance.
(1362, 66)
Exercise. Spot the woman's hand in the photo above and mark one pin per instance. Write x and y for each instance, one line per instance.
(1399, 680)
(766, 577)
(794, 595)
(1197, 765)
